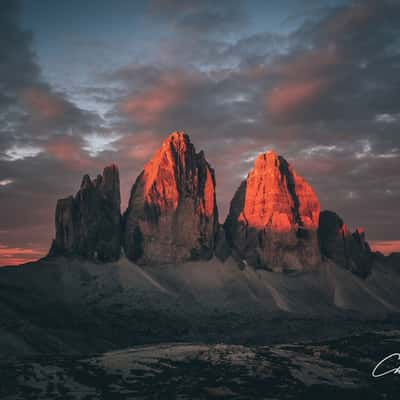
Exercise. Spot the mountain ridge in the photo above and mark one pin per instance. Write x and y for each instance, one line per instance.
(167, 270)
(172, 217)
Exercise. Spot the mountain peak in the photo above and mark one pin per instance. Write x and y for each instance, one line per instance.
(177, 136)
(86, 182)
(179, 141)
(263, 158)
(270, 154)
(89, 224)
(273, 217)
(349, 250)
(172, 217)
(172, 214)
(270, 161)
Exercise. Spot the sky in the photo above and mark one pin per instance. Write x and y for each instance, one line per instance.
(85, 84)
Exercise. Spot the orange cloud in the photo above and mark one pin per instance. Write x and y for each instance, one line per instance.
(69, 153)
(385, 246)
(148, 106)
(42, 104)
(140, 146)
(303, 80)
(16, 255)
(312, 64)
(292, 97)
(352, 18)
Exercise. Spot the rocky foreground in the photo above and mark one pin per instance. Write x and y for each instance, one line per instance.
(327, 369)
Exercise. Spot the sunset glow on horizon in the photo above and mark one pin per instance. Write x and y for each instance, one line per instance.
(15, 256)
(89, 85)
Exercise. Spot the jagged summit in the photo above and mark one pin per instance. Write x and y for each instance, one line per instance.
(273, 217)
(172, 214)
(89, 224)
(177, 137)
(268, 154)
(349, 250)
(274, 221)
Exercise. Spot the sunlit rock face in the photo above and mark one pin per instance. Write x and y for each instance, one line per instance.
(89, 224)
(349, 250)
(172, 213)
(273, 218)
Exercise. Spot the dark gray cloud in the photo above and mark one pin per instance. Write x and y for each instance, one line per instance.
(341, 67)
(15, 46)
(41, 136)
(204, 17)
(30, 110)
(324, 95)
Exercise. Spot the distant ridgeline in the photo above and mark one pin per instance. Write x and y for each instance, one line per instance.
(274, 221)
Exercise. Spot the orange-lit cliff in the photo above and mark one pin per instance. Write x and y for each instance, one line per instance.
(172, 214)
(273, 218)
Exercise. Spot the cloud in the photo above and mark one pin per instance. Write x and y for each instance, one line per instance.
(175, 98)
(323, 93)
(41, 155)
(320, 149)
(152, 103)
(340, 66)
(347, 19)
(295, 99)
(15, 47)
(69, 152)
(385, 247)
(19, 152)
(6, 182)
(386, 118)
(140, 146)
(204, 17)
(31, 111)
(314, 99)
(16, 256)
(43, 104)
(96, 144)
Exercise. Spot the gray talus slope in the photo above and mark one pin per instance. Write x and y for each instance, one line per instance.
(224, 286)
(70, 305)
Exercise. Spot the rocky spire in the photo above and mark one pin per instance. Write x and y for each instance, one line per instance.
(273, 218)
(89, 224)
(172, 214)
(348, 250)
